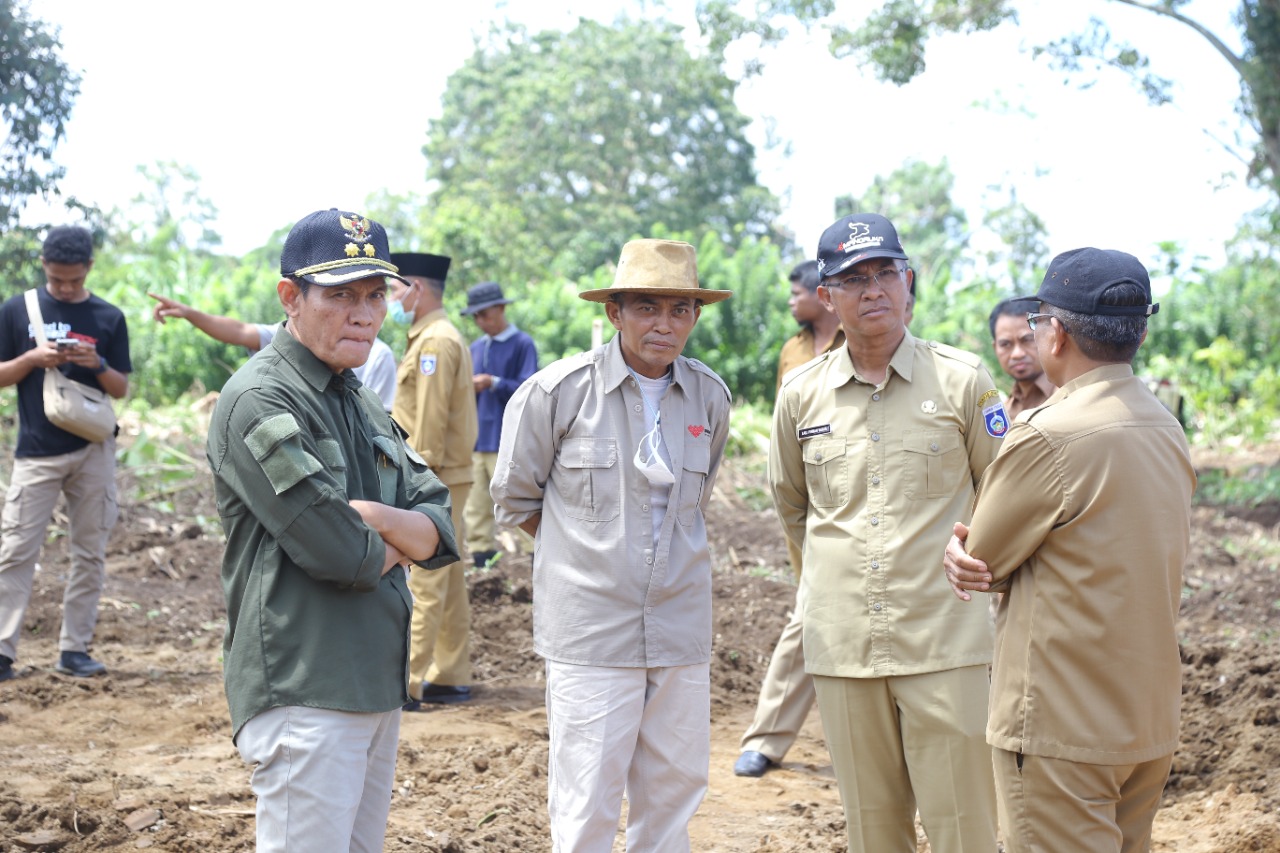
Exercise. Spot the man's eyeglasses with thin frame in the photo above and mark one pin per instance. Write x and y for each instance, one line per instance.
(1032, 317)
(887, 277)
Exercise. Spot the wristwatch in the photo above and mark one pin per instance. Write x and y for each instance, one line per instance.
(102, 366)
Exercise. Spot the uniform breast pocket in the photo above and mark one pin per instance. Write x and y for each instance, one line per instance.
(697, 462)
(587, 478)
(935, 461)
(826, 471)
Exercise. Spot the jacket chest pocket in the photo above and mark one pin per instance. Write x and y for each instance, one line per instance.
(826, 471)
(388, 468)
(935, 461)
(693, 478)
(588, 479)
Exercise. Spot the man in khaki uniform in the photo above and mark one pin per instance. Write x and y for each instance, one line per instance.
(436, 403)
(877, 447)
(1015, 349)
(1084, 522)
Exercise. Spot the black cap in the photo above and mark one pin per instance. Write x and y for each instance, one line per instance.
(330, 247)
(856, 238)
(434, 267)
(484, 295)
(1077, 279)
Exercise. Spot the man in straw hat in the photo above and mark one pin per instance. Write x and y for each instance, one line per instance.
(608, 458)
(1083, 522)
(322, 503)
(877, 448)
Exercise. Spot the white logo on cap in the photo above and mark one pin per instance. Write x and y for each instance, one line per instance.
(860, 237)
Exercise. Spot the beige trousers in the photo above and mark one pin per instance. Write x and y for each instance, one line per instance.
(478, 515)
(87, 478)
(912, 741)
(440, 634)
(1048, 805)
(786, 694)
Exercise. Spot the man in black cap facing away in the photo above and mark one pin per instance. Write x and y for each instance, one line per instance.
(1083, 522)
(323, 504)
(503, 358)
(436, 403)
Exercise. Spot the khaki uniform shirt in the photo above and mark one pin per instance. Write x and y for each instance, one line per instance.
(1085, 516)
(311, 619)
(435, 398)
(604, 592)
(1018, 402)
(798, 350)
(868, 480)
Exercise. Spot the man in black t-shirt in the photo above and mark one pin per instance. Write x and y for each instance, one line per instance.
(86, 338)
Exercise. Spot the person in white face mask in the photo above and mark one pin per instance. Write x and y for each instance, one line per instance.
(608, 459)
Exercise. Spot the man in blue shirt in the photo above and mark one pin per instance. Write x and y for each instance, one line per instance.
(503, 358)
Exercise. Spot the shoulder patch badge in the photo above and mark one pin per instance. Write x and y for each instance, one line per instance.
(427, 364)
(996, 420)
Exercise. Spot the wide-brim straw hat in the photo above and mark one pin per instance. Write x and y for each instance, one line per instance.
(657, 268)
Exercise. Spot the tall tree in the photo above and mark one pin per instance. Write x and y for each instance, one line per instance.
(554, 148)
(891, 41)
(37, 90)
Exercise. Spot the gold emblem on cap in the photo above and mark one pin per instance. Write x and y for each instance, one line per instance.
(355, 226)
(369, 251)
(928, 407)
(351, 249)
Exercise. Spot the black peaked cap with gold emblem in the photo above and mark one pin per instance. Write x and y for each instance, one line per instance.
(330, 247)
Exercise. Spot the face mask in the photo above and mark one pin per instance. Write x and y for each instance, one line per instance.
(650, 462)
(397, 314)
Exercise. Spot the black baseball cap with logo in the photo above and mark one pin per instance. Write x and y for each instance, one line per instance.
(331, 247)
(853, 239)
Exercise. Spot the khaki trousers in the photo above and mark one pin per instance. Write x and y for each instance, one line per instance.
(440, 634)
(87, 478)
(1049, 805)
(478, 517)
(786, 694)
(912, 741)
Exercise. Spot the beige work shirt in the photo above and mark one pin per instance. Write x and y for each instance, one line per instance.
(868, 480)
(1019, 401)
(604, 592)
(435, 398)
(798, 350)
(1085, 519)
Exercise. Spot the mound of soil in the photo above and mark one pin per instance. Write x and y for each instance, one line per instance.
(143, 758)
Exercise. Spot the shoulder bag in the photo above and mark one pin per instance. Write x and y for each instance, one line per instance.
(68, 404)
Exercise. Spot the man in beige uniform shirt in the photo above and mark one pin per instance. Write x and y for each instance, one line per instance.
(436, 402)
(1084, 521)
(875, 447)
(1015, 348)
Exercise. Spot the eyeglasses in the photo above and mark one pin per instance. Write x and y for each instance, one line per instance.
(887, 277)
(1032, 317)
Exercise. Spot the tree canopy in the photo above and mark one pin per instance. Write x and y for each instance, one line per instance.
(891, 42)
(555, 148)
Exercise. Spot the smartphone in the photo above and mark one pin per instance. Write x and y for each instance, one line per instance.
(67, 343)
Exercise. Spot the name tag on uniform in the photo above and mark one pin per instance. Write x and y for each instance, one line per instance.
(427, 364)
(810, 432)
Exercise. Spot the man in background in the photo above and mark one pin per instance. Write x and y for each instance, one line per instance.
(49, 461)
(436, 403)
(378, 373)
(502, 358)
(1015, 348)
(1084, 523)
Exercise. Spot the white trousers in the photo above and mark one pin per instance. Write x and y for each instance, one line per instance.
(323, 778)
(613, 729)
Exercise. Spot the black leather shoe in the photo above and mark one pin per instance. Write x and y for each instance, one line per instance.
(80, 665)
(751, 763)
(6, 668)
(445, 694)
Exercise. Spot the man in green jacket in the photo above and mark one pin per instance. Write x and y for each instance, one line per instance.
(324, 506)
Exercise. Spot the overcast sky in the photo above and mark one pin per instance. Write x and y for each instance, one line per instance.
(287, 107)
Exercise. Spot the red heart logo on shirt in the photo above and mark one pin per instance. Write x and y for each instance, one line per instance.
(696, 431)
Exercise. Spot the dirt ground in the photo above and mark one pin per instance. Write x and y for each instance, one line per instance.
(142, 758)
